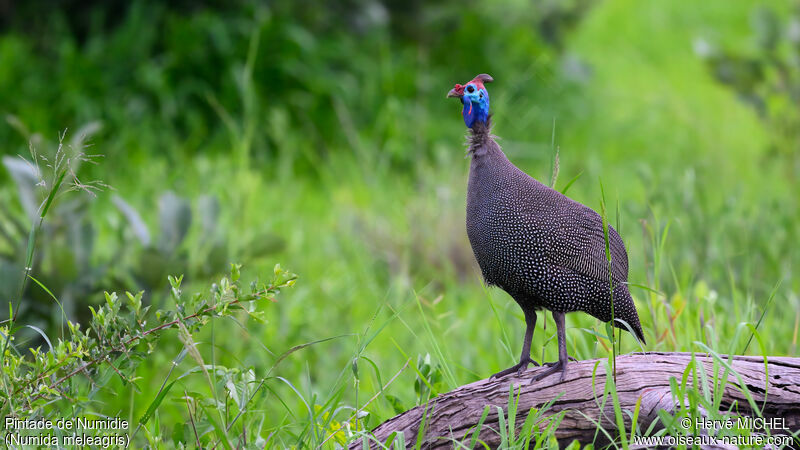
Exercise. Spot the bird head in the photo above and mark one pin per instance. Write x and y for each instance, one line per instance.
(474, 98)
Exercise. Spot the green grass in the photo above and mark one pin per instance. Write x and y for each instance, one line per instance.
(375, 229)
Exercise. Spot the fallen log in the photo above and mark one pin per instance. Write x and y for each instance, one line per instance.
(645, 376)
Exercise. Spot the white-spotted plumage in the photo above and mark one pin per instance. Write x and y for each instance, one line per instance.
(543, 248)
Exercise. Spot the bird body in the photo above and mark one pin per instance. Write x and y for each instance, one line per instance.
(543, 248)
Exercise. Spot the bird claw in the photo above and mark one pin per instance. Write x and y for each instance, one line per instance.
(531, 361)
(555, 367)
(517, 368)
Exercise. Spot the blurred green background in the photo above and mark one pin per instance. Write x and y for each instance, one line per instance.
(317, 135)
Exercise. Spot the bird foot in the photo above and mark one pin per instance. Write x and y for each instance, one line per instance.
(556, 362)
(555, 367)
(571, 358)
(530, 361)
(517, 368)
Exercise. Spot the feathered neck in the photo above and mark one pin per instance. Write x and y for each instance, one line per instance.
(480, 138)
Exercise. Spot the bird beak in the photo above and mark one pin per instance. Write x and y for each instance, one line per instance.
(453, 93)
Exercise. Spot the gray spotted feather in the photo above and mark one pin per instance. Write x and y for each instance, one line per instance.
(543, 248)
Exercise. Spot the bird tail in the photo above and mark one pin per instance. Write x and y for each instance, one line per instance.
(625, 309)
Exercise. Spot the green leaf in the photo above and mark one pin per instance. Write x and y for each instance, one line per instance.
(397, 405)
(52, 194)
(476, 432)
(155, 403)
(29, 250)
(220, 431)
(763, 313)
(258, 316)
(571, 182)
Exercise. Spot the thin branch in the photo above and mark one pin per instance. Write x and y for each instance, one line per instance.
(132, 339)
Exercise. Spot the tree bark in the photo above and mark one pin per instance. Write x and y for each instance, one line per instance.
(639, 376)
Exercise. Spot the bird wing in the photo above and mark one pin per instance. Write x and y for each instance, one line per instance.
(574, 232)
(578, 243)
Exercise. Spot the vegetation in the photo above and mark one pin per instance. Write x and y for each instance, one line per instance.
(320, 138)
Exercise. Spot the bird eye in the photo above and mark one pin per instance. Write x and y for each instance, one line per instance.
(470, 89)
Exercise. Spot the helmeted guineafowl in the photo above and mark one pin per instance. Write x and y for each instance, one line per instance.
(543, 248)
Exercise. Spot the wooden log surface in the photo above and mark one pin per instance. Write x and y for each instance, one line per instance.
(639, 375)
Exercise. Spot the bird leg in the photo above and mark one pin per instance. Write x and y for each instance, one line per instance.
(561, 365)
(525, 358)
